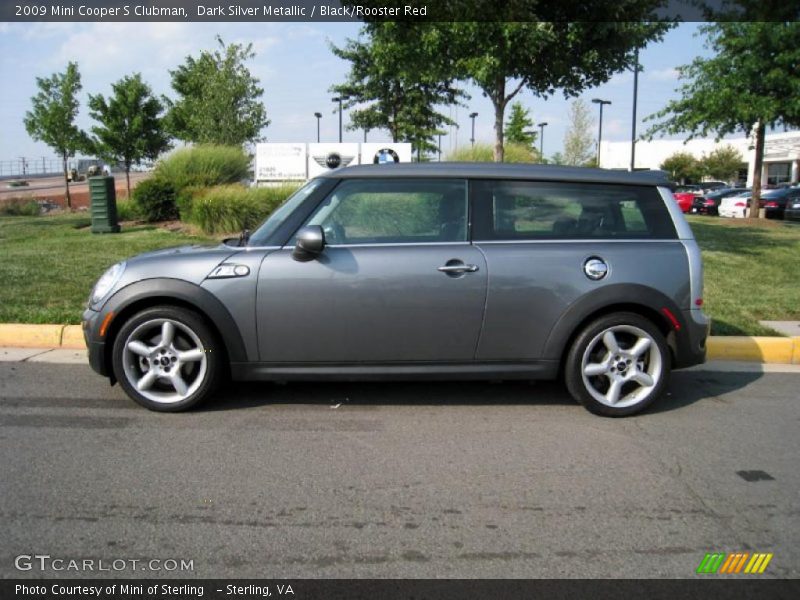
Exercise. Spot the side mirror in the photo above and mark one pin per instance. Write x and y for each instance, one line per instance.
(310, 242)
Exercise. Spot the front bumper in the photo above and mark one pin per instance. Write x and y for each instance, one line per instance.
(95, 345)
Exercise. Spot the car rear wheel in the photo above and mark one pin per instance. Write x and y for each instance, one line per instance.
(618, 365)
(167, 359)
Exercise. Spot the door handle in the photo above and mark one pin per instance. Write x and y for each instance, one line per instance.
(458, 268)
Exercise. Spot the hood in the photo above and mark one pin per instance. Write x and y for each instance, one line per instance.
(189, 263)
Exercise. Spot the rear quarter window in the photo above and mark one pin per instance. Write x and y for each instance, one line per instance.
(524, 210)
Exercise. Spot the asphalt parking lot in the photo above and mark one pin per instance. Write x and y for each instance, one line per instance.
(399, 480)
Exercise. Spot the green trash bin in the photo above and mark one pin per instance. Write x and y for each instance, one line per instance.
(103, 206)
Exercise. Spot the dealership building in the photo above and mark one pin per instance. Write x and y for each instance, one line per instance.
(781, 155)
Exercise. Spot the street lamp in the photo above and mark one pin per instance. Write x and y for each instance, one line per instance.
(600, 132)
(633, 121)
(541, 126)
(472, 116)
(319, 116)
(340, 99)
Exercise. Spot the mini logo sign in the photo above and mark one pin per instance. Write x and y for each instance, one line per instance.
(734, 563)
(384, 156)
(334, 160)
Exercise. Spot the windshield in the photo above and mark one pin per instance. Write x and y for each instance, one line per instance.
(268, 227)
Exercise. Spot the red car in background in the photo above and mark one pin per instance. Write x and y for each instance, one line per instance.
(684, 196)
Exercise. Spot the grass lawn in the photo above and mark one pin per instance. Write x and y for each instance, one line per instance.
(49, 265)
(752, 272)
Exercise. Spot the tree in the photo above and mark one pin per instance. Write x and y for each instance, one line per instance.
(723, 163)
(751, 82)
(218, 98)
(682, 166)
(131, 127)
(529, 44)
(52, 118)
(545, 55)
(518, 126)
(579, 139)
(395, 81)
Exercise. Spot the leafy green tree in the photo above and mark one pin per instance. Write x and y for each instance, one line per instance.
(131, 127)
(218, 98)
(752, 81)
(52, 117)
(396, 82)
(557, 159)
(682, 166)
(723, 163)
(518, 126)
(579, 140)
(545, 55)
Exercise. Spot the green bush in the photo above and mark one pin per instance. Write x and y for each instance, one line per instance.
(514, 153)
(128, 210)
(203, 166)
(232, 208)
(155, 199)
(19, 207)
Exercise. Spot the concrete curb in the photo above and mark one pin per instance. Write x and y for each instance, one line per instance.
(776, 350)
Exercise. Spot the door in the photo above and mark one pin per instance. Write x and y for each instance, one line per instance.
(397, 281)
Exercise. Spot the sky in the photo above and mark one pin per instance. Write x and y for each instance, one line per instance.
(296, 69)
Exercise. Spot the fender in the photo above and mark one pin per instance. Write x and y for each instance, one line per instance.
(153, 291)
(597, 300)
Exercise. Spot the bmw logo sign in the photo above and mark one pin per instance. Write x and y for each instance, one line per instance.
(384, 156)
(333, 160)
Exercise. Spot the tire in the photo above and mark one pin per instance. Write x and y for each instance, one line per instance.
(172, 377)
(622, 382)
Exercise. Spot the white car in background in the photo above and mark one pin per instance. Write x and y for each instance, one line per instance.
(736, 206)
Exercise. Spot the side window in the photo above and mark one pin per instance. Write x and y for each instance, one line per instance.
(380, 211)
(512, 210)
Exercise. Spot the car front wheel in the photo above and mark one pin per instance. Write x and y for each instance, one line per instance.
(618, 365)
(167, 359)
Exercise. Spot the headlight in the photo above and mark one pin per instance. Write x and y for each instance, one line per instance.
(106, 282)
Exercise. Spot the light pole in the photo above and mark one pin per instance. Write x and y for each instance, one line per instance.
(633, 120)
(600, 131)
(340, 99)
(472, 116)
(541, 126)
(319, 116)
(439, 146)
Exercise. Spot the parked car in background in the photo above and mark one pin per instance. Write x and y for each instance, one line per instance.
(685, 196)
(736, 206)
(422, 271)
(711, 186)
(707, 204)
(792, 212)
(775, 201)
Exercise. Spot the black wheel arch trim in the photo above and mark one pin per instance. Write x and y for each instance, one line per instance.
(154, 290)
(624, 296)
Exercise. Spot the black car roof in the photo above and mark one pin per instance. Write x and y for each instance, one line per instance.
(474, 170)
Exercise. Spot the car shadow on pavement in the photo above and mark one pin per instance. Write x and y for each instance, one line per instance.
(685, 388)
(388, 393)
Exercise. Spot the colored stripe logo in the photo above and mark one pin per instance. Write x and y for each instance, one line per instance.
(734, 563)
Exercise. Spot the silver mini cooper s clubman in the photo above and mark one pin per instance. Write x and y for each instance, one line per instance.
(414, 271)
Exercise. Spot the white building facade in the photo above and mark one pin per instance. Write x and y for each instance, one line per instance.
(781, 155)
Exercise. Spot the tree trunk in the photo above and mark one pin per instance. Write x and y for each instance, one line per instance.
(758, 166)
(499, 150)
(127, 179)
(66, 182)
